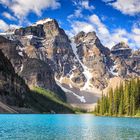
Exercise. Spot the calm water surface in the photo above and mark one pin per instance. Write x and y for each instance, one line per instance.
(68, 127)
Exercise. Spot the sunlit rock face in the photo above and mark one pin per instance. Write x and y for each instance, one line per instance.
(126, 61)
(121, 49)
(95, 58)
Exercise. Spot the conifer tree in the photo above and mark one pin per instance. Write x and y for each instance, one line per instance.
(124, 100)
(111, 102)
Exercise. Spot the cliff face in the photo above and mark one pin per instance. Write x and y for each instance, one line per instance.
(94, 58)
(16, 97)
(126, 61)
(45, 57)
(33, 69)
(13, 90)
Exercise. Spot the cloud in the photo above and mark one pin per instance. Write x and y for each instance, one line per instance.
(96, 22)
(77, 14)
(107, 37)
(8, 16)
(129, 7)
(85, 5)
(135, 35)
(21, 8)
(5, 2)
(78, 26)
(80, 5)
(4, 26)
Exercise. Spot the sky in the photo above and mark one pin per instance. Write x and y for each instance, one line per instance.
(112, 20)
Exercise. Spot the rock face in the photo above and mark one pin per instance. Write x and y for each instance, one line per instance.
(38, 74)
(94, 58)
(16, 97)
(126, 61)
(34, 71)
(121, 49)
(13, 90)
(45, 57)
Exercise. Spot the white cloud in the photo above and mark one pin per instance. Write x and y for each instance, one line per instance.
(135, 35)
(80, 6)
(4, 26)
(21, 8)
(129, 7)
(5, 2)
(78, 26)
(136, 30)
(108, 38)
(8, 16)
(85, 5)
(77, 14)
(94, 19)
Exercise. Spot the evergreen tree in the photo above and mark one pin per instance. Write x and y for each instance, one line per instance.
(127, 98)
(111, 102)
(124, 100)
(121, 105)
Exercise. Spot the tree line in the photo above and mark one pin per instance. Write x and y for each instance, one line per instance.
(124, 100)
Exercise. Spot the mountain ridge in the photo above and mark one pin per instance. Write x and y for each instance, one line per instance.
(82, 65)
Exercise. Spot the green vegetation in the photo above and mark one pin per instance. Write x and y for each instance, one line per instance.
(50, 95)
(46, 101)
(123, 101)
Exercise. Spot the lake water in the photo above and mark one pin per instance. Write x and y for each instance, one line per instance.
(68, 127)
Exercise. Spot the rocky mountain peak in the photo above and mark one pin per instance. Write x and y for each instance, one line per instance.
(43, 21)
(121, 49)
(85, 37)
(121, 45)
(90, 40)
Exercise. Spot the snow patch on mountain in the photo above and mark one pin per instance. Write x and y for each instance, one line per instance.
(86, 72)
(21, 69)
(112, 70)
(41, 22)
(20, 53)
(81, 98)
(8, 35)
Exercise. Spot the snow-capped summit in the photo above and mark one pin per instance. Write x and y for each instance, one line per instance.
(43, 21)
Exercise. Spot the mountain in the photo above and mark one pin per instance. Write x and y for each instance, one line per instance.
(16, 97)
(77, 70)
(13, 90)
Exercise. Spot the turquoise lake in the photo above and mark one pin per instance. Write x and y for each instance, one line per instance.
(68, 127)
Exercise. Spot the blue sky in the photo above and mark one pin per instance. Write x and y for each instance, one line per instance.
(113, 20)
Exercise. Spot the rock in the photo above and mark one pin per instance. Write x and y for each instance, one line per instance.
(121, 49)
(126, 60)
(16, 97)
(13, 90)
(37, 73)
(94, 56)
